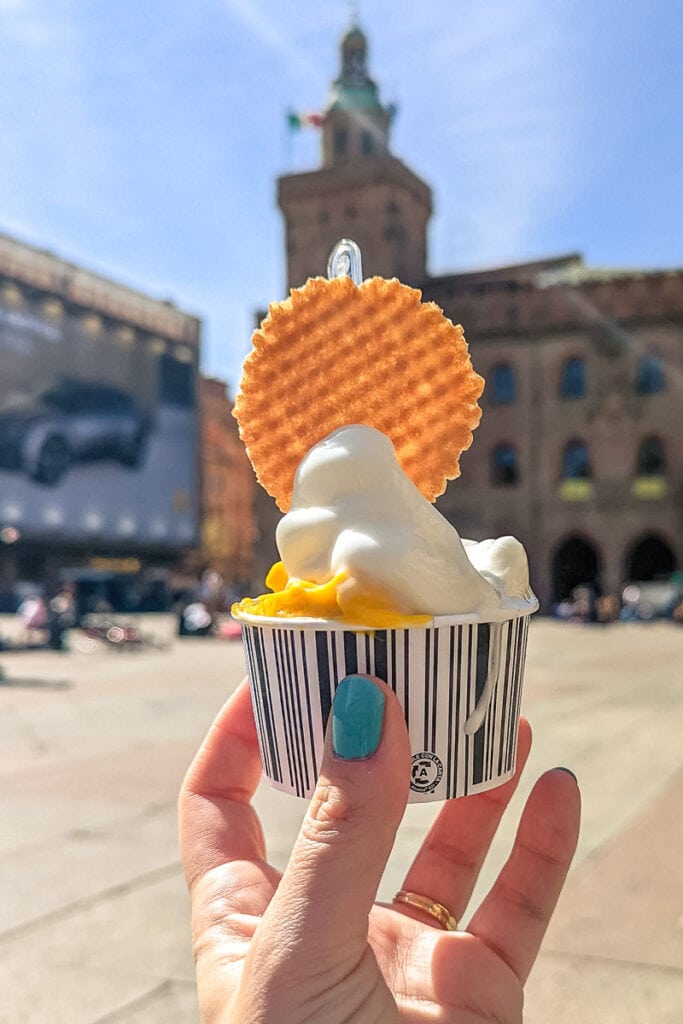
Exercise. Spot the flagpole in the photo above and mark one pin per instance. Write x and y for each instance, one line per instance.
(287, 149)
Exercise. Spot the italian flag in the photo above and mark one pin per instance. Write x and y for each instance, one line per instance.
(298, 121)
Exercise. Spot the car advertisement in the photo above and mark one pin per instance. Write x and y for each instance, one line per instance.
(98, 431)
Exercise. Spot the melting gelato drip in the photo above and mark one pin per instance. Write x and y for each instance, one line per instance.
(362, 544)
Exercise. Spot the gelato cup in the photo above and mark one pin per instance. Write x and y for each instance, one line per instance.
(458, 680)
(372, 578)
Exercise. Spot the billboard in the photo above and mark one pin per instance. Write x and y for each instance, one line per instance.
(98, 429)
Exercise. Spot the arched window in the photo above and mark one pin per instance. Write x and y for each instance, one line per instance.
(650, 376)
(651, 458)
(504, 467)
(573, 378)
(503, 384)
(576, 463)
(366, 144)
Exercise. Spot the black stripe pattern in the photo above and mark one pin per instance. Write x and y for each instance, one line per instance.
(439, 676)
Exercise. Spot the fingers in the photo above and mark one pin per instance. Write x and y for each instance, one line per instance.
(448, 863)
(217, 822)
(331, 881)
(514, 916)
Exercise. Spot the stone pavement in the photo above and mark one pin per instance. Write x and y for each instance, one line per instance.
(93, 911)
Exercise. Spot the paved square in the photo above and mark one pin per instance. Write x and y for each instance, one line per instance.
(93, 911)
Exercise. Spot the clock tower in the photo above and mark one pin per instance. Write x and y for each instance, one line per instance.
(361, 191)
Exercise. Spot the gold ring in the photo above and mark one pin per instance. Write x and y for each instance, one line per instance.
(436, 910)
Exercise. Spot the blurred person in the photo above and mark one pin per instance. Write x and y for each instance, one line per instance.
(61, 617)
(212, 591)
(195, 619)
(310, 945)
(607, 608)
(564, 610)
(585, 603)
(630, 599)
(33, 613)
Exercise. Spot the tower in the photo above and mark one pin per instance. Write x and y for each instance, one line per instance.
(361, 191)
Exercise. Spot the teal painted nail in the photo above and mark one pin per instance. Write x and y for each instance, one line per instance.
(357, 714)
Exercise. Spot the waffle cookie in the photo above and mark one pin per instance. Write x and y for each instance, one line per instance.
(334, 354)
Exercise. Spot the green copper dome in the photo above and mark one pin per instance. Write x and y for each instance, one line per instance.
(355, 36)
(354, 89)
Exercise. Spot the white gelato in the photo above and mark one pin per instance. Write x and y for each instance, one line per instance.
(354, 511)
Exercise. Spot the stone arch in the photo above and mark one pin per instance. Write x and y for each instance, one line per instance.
(576, 561)
(650, 557)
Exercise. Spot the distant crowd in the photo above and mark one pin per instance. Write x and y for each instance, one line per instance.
(47, 622)
(204, 610)
(643, 602)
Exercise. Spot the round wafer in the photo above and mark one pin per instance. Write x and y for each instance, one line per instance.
(335, 353)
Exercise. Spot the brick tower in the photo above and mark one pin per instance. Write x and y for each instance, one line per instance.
(361, 191)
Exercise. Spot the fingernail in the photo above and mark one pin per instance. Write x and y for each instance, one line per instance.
(569, 772)
(357, 715)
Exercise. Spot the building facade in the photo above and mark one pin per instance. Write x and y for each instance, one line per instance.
(579, 452)
(228, 488)
(99, 463)
(580, 449)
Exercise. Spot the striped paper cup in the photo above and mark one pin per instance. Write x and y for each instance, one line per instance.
(459, 683)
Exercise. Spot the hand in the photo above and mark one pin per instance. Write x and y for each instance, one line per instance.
(310, 945)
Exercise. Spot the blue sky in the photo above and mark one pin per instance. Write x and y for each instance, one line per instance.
(143, 139)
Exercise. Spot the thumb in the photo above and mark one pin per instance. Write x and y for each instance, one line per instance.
(345, 840)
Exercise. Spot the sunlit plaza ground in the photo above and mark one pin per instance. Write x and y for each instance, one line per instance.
(94, 924)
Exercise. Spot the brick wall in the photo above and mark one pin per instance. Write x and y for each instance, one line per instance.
(228, 488)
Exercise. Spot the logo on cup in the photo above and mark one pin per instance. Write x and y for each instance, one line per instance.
(426, 772)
